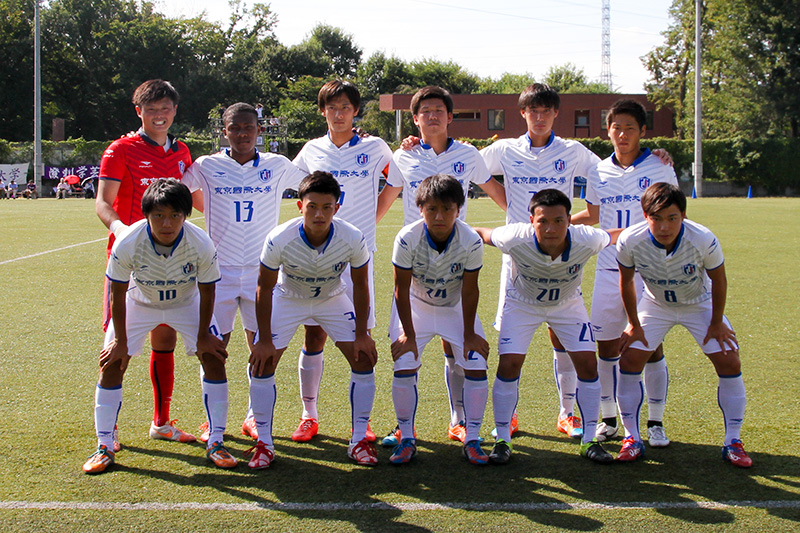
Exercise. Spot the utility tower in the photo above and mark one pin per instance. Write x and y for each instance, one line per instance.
(605, 72)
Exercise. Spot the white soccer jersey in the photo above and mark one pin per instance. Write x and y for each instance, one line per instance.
(436, 277)
(618, 192)
(159, 281)
(538, 279)
(357, 166)
(306, 272)
(528, 170)
(242, 202)
(678, 278)
(409, 167)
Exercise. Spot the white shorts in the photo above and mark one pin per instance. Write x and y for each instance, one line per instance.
(335, 315)
(349, 291)
(505, 282)
(140, 320)
(608, 314)
(568, 320)
(658, 319)
(430, 320)
(236, 291)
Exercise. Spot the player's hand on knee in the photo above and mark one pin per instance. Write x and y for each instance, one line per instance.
(403, 345)
(212, 345)
(114, 353)
(476, 343)
(364, 345)
(723, 335)
(261, 357)
(631, 335)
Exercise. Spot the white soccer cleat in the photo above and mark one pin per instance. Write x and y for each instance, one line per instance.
(657, 437)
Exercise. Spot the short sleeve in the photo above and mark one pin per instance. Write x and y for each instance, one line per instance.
(591, 183)
(112, 163)
(492, 158)
(360, 255)
(624, 252)
(481, 174)
(271, 254)
(713, 254)
(395, 177)
(402, 256)
(475, 256)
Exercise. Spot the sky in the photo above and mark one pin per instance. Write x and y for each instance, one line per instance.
(486, 38)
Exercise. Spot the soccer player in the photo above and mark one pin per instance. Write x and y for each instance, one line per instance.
(301, 269)
(172, 265)
(357, 163)
(436, 264)
(613, 196)
(683, 269)
(128, 166)
(437, 153)
(547, 260)
(241, 190)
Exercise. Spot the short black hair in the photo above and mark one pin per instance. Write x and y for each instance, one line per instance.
(319, 182)
(549, 198)
(662, 195)
(167, 192)
(442, 187)
(626, 106)
(238, 107)
(334, 89)
(429, 92)
(154, 90)
(539, 95)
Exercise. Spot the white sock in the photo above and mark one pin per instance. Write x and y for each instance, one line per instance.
(107, 403)
(262, 400)
(656, 384)
(215, 400)
(732, 398)
(476, 393)
(249, 403)
(630, 396)
(454, 378)
(309, 369)
(504, 398)
(362, 397)
(405, 397)
(587, 396)
(608, 371)
(566, 381)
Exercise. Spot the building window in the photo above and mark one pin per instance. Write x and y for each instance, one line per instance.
(603, 115)
(467, 114)
(497, 119)
(649, 121)
(582, 117)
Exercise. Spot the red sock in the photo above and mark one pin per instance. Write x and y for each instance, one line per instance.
(162, 375)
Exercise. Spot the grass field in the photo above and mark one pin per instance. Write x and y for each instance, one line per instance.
(51, 265)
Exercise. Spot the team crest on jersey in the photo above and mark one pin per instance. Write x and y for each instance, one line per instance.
(181, 166)
(560, 165)
(644, 183)
(573, 269)
(689, 269)
(459, 168)
(362, 159)
(339, 267)
(188, 268)
(456, 268)
(265, 175)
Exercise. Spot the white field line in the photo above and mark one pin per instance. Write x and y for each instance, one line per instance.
(343, 506)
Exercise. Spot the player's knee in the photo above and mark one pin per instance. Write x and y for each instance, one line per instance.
(315, 339)
(633, 361)
(475, 374)
(163, 338)
(585, 365)
(213, 368)
(608, 349)
(510, 366)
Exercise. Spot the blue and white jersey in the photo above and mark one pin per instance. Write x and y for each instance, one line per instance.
(307, 271)
(539, 279)
(527, 170)
(242, 202)
(678, 278)
(618, 191)
(409, 167)
(357, 166)
(163, 281)
(436, 277)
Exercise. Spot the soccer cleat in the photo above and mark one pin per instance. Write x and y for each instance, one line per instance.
(169, 432)
(220, 456)
(205, 433)
(570, 425)
(99, 460)
(370, 435)
(605, 432)
(306, 430)
(394, 437)
(404, 452)
(631, 450)
(249, 428)
(474, 453)
(363, 452)
(514, 426)
(263, 456)
(657, 437)
(734, 453)
(501, 453)
(117, 445)
(594, 451)
(457, 432)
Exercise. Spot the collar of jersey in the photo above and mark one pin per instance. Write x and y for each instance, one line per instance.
(256, 161)
(305, 238)
(645, 154)
(564, 254)
(433, 244)
(354, 140)
(173, 145)
(677, 241)
(153, 243)
(450, 142)
(549, 141)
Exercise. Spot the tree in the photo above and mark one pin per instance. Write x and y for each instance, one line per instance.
(339, 47)
(382, 75)
(448, 75)
(507, 83)
(569, 79)
(16, 72)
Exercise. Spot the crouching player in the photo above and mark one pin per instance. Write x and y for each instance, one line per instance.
(173, 266)
(683, 269)
(436, 264)
(547, 260)
(301, 268)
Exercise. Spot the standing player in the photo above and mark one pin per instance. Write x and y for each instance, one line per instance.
(613, 198)
(128, 166)
(437, 153)
(683, 269)
(173, 266)
(547, 260)
(357, 164)
(311, 252)
(241, 190)
(436, 264)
